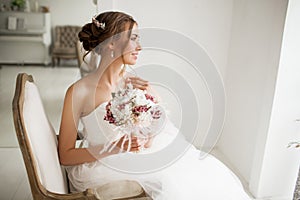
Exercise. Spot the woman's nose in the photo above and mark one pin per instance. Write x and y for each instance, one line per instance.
(138, 47)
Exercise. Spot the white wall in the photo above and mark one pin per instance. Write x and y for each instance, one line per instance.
(251, 74)
(279, 165)
(208, 23)
(69, 12)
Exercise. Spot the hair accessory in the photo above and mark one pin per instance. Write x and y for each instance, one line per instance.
(98, 24)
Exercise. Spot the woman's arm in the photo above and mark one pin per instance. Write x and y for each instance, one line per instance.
(68, 154)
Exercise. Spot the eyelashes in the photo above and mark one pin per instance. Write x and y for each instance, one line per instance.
(135, 38)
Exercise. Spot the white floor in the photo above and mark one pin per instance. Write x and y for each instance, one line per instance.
(14, 184)
(52, 83)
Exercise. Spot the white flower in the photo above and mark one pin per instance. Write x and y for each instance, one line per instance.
(130, 109)
(145, 119)
(140, 99)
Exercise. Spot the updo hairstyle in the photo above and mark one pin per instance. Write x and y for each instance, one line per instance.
(106, 25)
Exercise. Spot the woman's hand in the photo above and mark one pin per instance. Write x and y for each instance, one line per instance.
(134, 146)
(138, 83)
(149, 141)
(145, 141)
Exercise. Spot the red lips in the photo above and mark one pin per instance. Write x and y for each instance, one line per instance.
(135, 55)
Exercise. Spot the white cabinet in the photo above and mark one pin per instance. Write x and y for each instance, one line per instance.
(25, 38)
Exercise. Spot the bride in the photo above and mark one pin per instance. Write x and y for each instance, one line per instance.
(165, 165)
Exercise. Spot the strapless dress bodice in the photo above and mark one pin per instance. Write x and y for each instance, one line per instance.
(95, 129)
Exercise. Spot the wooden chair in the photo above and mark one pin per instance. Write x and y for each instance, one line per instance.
(38, 143)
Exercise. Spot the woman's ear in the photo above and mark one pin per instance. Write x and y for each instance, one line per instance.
(111, 46)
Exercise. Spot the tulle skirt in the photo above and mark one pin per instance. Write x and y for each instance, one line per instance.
(187, 178)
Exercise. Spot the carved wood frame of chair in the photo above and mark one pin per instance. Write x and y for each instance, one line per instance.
(38, 189)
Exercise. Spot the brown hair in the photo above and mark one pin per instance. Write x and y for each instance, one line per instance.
(92, 34)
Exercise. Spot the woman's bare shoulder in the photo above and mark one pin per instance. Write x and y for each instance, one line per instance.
(78, 92)
(82, 87)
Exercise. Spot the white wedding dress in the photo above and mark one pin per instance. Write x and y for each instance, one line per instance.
(180, 178)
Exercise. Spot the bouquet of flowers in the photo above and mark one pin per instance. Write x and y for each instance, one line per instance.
(133, 112)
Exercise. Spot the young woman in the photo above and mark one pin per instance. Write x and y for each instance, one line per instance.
(115, 37)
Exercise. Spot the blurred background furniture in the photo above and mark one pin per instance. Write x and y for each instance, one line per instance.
(25, 37)
(64, 43)
(38, 143)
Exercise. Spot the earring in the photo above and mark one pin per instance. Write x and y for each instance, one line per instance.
(112, 54)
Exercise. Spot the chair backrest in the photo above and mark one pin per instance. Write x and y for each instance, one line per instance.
(37, 139)
(66, 36)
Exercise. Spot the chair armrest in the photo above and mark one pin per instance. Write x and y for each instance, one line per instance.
(122, 189)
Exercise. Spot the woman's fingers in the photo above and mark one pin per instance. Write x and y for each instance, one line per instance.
(139, 83)
(134, 144)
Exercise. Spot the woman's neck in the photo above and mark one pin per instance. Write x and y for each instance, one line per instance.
(110, 73)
